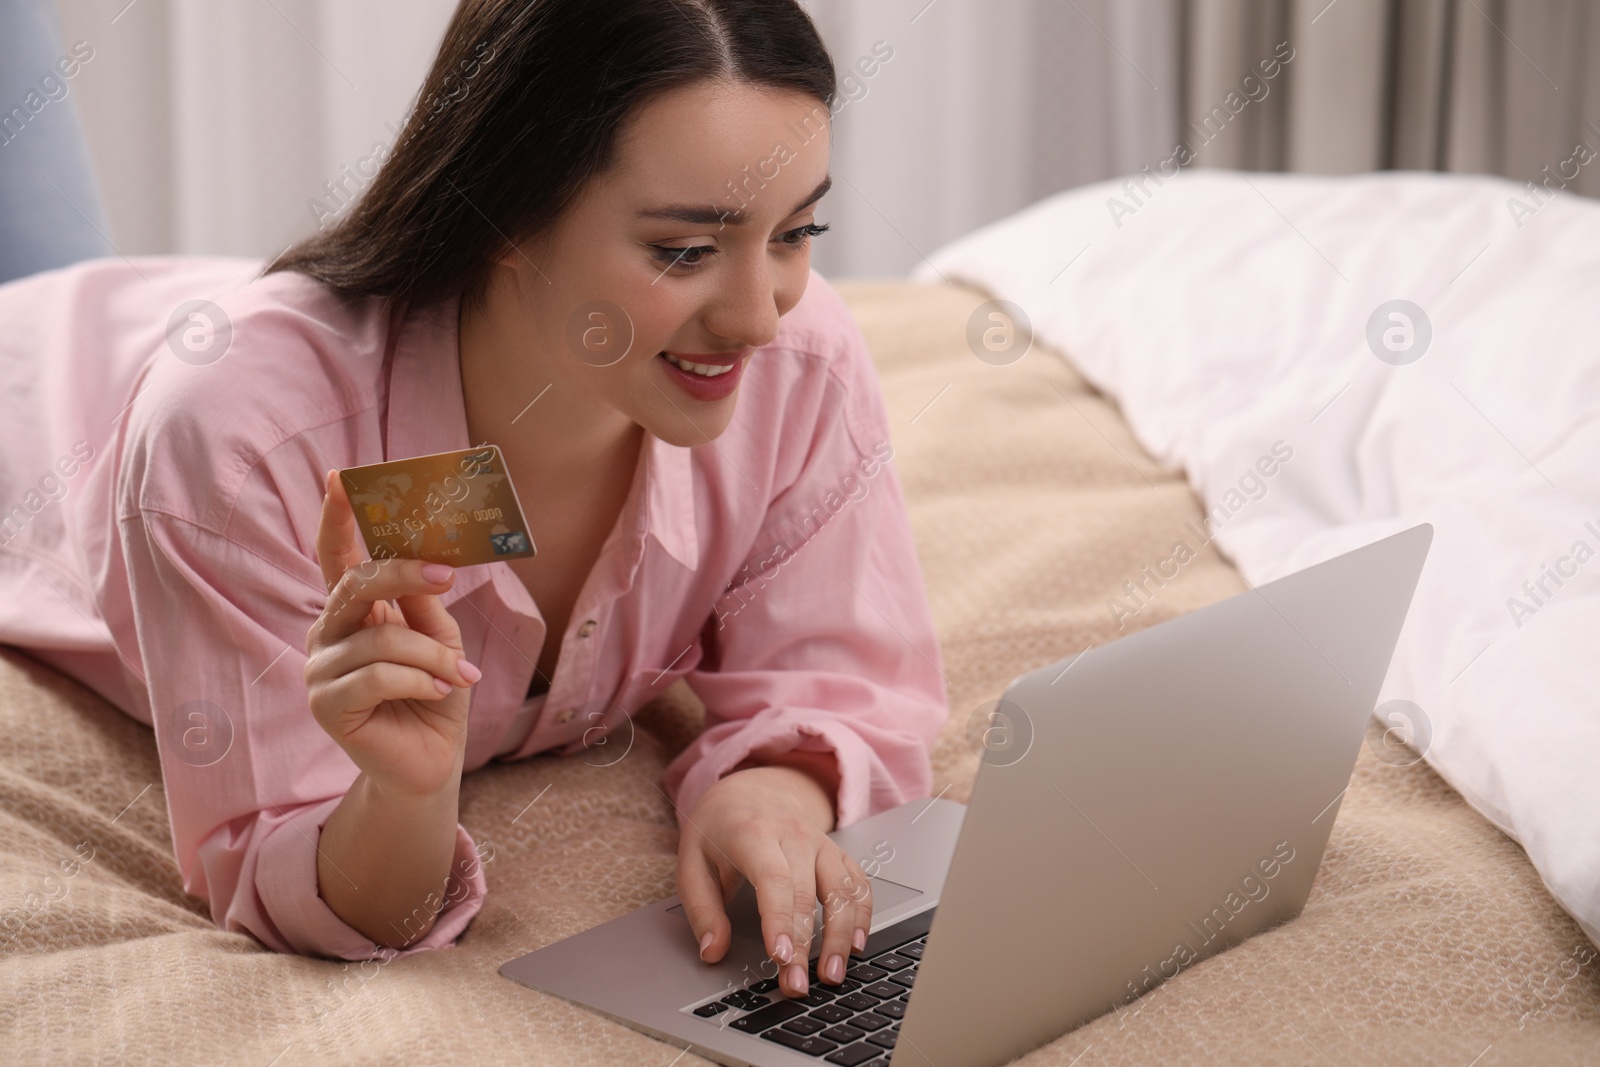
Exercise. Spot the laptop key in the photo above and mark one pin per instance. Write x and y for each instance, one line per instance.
(858, 1001)
(811, 1046)
(743, 998)
(832, 1013)
(891, 961)
(706, 1011)
(882, 990)
(905, 978)
(861, 972)
(853, 1055)
(894, 1009)
(884, 1038)
(771, 1015)
(913, 950)
(867, 1021)
(805, 1025)
(843, 1034)
(766, 985)
(815, 997)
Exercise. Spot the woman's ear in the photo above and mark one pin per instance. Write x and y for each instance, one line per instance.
(510, 255)
(524, 255)
(525, 261)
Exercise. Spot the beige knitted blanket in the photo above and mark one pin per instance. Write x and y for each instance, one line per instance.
(1428, 937)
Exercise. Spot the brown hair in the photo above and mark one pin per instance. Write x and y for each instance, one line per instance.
(520, 109)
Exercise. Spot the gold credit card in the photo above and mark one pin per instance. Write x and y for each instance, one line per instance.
(458, 508)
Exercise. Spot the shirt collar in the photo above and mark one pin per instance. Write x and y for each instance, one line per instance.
(427, 413)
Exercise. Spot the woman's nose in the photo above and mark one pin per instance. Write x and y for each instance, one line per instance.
(745, 312)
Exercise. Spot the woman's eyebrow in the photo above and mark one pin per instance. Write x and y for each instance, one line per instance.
(721, 216)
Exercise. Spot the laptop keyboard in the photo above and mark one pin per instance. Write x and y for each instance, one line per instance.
(854, 1023)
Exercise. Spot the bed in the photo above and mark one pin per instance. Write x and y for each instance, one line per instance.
(1428, 938)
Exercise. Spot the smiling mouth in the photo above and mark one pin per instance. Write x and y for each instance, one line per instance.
(705, 370)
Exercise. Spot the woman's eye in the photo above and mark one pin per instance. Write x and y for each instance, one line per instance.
(798, 235)
(684, 260)
(682, 257)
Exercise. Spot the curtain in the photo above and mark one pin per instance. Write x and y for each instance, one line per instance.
(986, 106)
(218, 126)
(1461, 85)
(238, 127)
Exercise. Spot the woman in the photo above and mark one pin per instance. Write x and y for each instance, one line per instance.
(590, 246)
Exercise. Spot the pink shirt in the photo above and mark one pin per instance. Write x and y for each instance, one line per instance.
(158, 543)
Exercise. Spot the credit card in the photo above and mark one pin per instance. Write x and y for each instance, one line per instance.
(458, 508)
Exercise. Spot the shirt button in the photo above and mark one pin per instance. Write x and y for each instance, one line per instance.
(587, 628)
(566, 715)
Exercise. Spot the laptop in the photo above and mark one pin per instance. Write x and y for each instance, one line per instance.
(1144, 805)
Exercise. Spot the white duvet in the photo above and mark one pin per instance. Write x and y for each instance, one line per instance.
(1228, 313)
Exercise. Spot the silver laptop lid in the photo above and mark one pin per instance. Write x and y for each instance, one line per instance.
(1161, 798)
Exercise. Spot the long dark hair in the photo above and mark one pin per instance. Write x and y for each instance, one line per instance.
(520, 109)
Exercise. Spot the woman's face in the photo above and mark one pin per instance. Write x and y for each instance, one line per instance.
(690, 246)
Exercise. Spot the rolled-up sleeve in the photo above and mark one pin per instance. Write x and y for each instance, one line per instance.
(825, 640)
(250, 776)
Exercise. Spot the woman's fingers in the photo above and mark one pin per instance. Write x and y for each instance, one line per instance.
(369, 686)
(392, 643)
(699, 888)
(706, 907)
(372, 581)
(782, 868)
(860, 888)
(744, 824)
(338, 546)
(801, 852)
(427, 614)
(843, 889)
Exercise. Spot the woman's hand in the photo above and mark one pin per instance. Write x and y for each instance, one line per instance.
(770, 824)
(390, 687)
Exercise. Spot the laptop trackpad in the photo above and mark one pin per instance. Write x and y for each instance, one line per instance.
(746, 916)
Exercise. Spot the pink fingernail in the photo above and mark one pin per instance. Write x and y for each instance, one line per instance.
(705, 943)
(859, 939)
(468, 671)
(835, 968)
(784, 948)
(441, 685)
(797, 979)
(435, 573)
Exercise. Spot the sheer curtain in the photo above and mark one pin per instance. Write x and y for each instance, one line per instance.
(237, 127)
(984, 108)
(215, 126)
